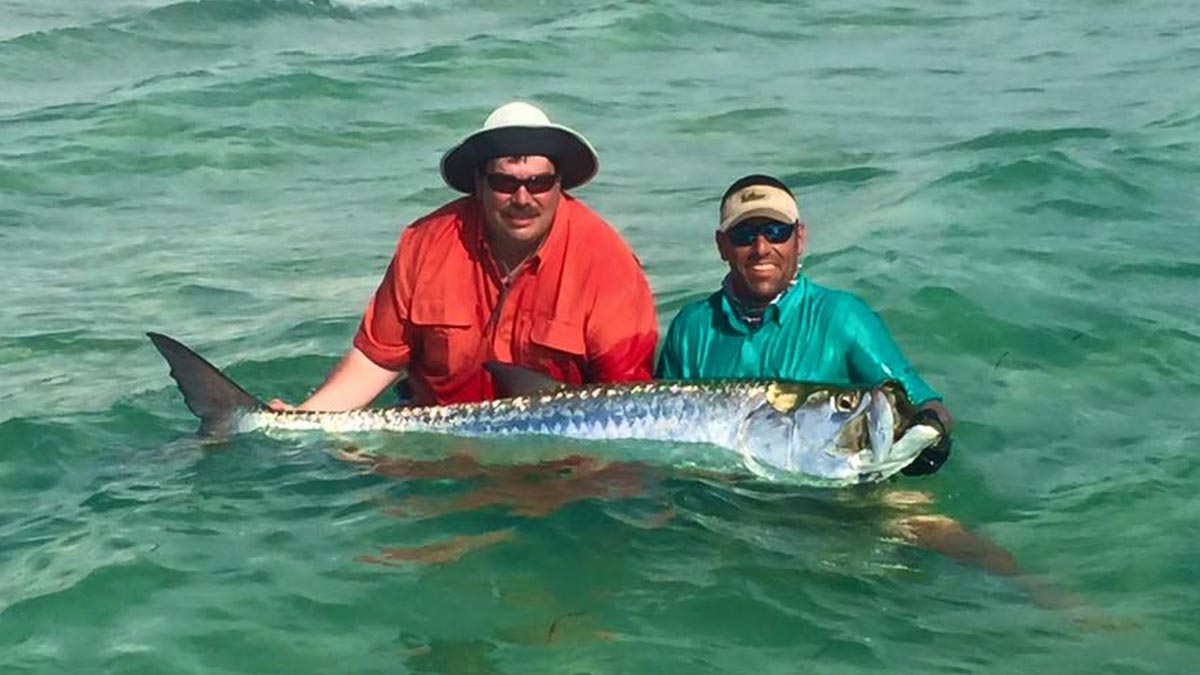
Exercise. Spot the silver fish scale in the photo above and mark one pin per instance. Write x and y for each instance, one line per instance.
(652, 411)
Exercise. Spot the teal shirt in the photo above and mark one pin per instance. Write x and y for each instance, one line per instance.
(811, 334)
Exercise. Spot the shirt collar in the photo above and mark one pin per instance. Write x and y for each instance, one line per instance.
(745, 318)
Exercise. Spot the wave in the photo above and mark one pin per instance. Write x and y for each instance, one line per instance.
(1171, 269)
(1039, 171)
(206, 14)
(170, 29)
(35, 56)
(855, 175)
(1009, 138)
(59, 344)
(733, 120)
(199, 12)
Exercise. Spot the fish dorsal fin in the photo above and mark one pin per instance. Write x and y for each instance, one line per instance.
(514, 380)
(207, 392)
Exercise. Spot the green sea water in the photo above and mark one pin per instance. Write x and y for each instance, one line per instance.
(1012, 185)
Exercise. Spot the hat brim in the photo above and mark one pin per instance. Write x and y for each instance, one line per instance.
(572, 155)
(775, 214)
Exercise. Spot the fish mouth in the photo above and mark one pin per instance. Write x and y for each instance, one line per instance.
(868, 435)
(891, 448)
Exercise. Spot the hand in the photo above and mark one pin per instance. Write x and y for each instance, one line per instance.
(279, 406)
(932, 458)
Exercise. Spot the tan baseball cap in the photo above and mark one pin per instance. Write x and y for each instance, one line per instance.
(758, 201)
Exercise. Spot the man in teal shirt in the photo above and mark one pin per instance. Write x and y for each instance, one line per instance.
(769, 321)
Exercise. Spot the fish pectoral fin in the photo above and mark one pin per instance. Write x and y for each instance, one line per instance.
(208, 393)
(514, 380)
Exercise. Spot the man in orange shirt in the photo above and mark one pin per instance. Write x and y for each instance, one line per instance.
(516, 271)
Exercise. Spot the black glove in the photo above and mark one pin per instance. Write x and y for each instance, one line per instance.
(932, 458)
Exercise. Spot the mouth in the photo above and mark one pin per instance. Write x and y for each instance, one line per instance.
(762, 268)
(520, 220)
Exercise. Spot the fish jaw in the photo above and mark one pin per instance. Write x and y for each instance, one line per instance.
(881, 426)
(914, 441)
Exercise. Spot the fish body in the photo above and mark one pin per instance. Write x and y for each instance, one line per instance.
(812, 433)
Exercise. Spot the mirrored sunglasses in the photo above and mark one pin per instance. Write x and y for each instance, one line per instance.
(773, 232)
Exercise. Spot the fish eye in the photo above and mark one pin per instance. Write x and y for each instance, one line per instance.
(845, 402)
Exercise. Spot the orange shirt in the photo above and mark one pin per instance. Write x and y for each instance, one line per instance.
(580, 310)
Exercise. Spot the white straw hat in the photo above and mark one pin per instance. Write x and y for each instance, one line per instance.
(516, 129)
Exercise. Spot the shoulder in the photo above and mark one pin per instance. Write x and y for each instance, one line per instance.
(440, 222)
(835, 302)
(697, 315)
(593, 236)
(439, 230)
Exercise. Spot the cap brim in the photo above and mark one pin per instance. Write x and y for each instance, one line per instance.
(765, 212)
(573, 156)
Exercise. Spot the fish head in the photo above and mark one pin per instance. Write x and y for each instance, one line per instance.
(830, 434)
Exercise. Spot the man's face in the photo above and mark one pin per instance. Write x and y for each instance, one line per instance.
(518, 213)
(761, 270)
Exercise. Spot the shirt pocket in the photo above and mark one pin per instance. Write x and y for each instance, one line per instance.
(558, 349)
(449, 339)
(562, 336)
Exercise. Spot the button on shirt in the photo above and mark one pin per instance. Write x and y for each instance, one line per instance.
(810, 334)
(579, 310)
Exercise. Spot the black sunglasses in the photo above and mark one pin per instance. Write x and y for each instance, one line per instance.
(775, 233)
(506, 184)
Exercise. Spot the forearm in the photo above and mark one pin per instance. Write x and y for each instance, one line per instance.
(354, 383)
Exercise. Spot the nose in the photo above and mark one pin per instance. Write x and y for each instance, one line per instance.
(761, 246)
(522, 196)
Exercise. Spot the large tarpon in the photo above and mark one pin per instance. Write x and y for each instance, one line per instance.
(813, 433)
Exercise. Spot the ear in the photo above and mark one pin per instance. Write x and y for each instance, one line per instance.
(722, 244)
(801, 236)
(479, 185)
(482, 170)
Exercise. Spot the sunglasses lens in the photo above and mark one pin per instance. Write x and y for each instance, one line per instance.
(503, 183)
(540, 184)
(775, 233)
(742, 236)
(506, 184)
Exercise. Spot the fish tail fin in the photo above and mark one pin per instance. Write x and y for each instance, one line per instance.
(209, 394)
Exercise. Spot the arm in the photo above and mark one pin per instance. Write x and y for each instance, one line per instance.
(874, 357)
(622, 328)
(670, 360)
(354, 383)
